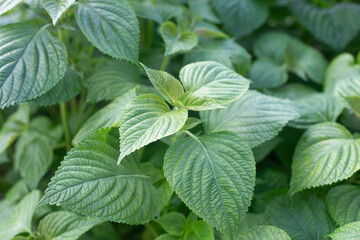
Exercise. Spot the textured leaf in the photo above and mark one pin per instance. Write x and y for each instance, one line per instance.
(348, 88)
(110, 25)
(6, 5)
(32, 61)
(343, 204)
(214, 175)
(346, 232)
(160, 12)
(64, 90)
(168, 86)
(209, 85)
(203, 10)
(56, 8)
(326, 153)
(264, 233)
(173, 223)
(335, 26)
(20, 219)
(175, 40)
(191, 122)
(303, 217)
(112, 79)
(108, 116)
(266, 74)
(146, 119)
(119, 193)
(71, 226)
(255, 117)
(354, 103)
(241, 17)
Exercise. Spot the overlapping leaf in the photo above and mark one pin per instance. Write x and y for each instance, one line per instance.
(6, 5)
(56, 8)
(346, 232)
(264, 233)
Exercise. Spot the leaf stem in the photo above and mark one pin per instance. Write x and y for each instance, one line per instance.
(64, 120)
(165, 63)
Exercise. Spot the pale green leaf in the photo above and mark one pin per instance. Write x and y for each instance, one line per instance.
(354, 103)
(119, 193)
(348, 88)
(56, 8)
(191, 122)
(63, 225)
(167, 237)
(205, 29)
(110, 25)
(209, 85)
(292, 91)
(199, 230)
(17, 191)
(6, 5)
(32, 62)
(203, 10)
(108, 116)
(159, 12)
(255, 117)
(173, 223)
(343, 204)
(267, 74)
(303, 217)
(326, 153)
(175, 40)
(214, 175)
(146, 119)
(264, 233)
(347, 232)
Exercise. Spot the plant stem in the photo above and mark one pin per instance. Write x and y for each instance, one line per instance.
(165, 63)
(2, 116)
(149, 33)
(64, 120)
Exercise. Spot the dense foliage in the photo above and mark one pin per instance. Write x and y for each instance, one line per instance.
(179, 119)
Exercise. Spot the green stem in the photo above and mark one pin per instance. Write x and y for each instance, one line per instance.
(165, 63)
(2, 117)
(149, 33)
(64, 119)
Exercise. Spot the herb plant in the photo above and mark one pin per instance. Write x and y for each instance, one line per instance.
(179, 119)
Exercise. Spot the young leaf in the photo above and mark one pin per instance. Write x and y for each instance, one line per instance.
(175, 40)
(255, 117)
(168, 86)
(119, 193)
(146, 119)
(173, 223)
(346, 232)
(214, 175)
(343, 204)
(264, 233)
(72, 226)
(303, 217)
(6, 5)
(326, 153)
(32, 61)
(110, 25)
(20, 219)
(56, 8)
(209, 85)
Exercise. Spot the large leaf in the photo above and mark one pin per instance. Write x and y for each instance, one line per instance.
(146, 119)
(110, 25)
(255, 117)
(241, 17)
(343, 204)
(209, 85)
(108, 116)
(354, 104)
(63, 225)
(292, 91)
(346, 232)
(120, 193)
(111, 79)
(214, 175)
(335, 26)
(20, 219)
(348, 88)
(303, 217)
(266, 74)
(326, 153)
(6, 5)
(32, 61)
(56, 8)
(264, 233)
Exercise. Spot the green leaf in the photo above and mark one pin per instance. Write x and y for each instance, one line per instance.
(203, 10)
(63, 91)
(32, 62)
(56, 8)
(241, 17)
(146, 119)
(209, 85)
(354, 103)
(6, 5)
(167, 237)
(175, 40)
(159, 12)
(205, 29)
(173, 223)
(112, 79)
(343, 204)
(20, 219)
(348, 88)
(346, 232)
(326, 153)
(253, 220)
(119, 193)
(108, 116)
(264, 233)
(329, 24)
(214, 176)
(72, 226)
(191, 122)
(292, 91)
(17, 191)
(303, 217)
(111, 26)
(255, 117)
(200, 230)
(168, 86)
(266, 74)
